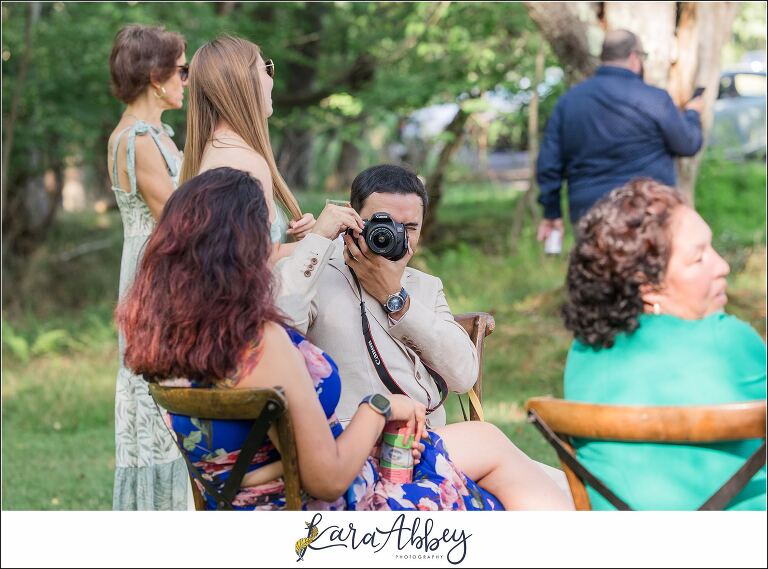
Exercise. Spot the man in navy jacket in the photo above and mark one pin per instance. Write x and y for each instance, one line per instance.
(609, 129)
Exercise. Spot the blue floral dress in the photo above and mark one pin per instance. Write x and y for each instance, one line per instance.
(214, 445)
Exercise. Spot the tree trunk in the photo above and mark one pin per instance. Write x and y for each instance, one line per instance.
(33, 13)
(346, 168)
(225, 8)
(683, 69)
(654, 24)
(706, 26)
(33, 210)
(294, 158)
(455, 132)
(527, 202)
(567, 34)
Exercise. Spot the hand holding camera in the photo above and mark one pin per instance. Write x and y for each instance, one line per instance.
(386, 237)
(379, 256)
(335, 220)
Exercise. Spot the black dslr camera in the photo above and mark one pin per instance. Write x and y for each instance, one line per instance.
(384, 236)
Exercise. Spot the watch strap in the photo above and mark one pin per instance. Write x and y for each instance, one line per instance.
(387, 413)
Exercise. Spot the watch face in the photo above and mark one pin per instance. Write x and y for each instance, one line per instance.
(395, 303)
(380, 402)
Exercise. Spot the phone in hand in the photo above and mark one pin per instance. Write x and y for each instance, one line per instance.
(698, 92)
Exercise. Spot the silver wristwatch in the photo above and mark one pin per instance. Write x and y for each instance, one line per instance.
(395, 302)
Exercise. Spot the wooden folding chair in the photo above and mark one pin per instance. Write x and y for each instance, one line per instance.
(478, 325)
(266, 407)
(559, 420)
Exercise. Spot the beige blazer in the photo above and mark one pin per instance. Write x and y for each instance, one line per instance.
(317, 293)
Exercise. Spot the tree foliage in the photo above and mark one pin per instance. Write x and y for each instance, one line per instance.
(347, 73)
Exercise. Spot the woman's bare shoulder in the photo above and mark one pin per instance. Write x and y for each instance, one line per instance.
(278, 358)
(238, 157)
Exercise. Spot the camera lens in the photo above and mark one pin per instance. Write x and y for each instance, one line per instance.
(381, 239)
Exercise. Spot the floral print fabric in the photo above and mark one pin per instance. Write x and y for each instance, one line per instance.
(214, 446)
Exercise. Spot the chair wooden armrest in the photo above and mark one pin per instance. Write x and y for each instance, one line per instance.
(478, 325)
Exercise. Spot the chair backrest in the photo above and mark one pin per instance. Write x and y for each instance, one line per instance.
(478, 325)
(239, 404)
(684, 424)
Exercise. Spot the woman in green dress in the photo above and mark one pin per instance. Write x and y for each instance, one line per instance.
(646, 298)
(149, 70)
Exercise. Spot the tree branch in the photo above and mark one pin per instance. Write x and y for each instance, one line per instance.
(567, 35)
(455, 132)
(360, 73)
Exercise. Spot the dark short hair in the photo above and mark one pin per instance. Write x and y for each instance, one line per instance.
(618, 45)
(141, 54)
(623, 242)
(386, 179)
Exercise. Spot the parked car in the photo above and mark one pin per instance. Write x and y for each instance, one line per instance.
(739, 127)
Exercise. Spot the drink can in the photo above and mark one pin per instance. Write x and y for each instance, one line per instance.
(396, 460)
(554, 243)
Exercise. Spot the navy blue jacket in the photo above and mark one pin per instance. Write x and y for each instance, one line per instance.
(606, 131)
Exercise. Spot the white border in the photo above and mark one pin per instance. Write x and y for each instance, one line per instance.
(498, 539)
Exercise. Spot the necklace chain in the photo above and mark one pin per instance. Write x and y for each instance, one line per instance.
(141, 120)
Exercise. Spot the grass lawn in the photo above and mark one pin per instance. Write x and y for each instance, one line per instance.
(60, 352)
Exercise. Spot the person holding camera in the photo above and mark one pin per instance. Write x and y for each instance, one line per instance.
(391, 332)
(408, 328)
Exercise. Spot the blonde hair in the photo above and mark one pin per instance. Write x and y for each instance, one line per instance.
(224, 85)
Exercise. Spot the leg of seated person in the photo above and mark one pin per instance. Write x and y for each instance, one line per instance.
(559, 478)
(485, 454)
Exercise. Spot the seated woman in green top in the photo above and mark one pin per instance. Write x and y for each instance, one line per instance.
(646, 297)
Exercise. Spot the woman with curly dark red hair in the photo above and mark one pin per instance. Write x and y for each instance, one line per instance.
(201, 309)
(646, 297)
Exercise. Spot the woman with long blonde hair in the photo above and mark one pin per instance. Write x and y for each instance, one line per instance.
(230, 100)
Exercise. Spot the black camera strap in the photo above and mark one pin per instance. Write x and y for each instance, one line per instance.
(381, 369)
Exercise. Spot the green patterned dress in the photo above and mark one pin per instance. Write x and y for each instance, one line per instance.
(149, 472)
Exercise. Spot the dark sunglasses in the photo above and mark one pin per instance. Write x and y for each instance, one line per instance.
(270, 67)
(184, 71)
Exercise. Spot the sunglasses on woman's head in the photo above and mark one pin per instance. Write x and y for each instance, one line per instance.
(270, 67)
(184, 71)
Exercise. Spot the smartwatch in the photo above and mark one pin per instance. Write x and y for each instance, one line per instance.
(395, 302)
(379, 403)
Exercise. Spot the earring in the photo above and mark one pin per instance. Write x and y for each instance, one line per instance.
(656, 308)
(162, 93)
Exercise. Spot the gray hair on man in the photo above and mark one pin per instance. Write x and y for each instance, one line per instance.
(618, 45)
